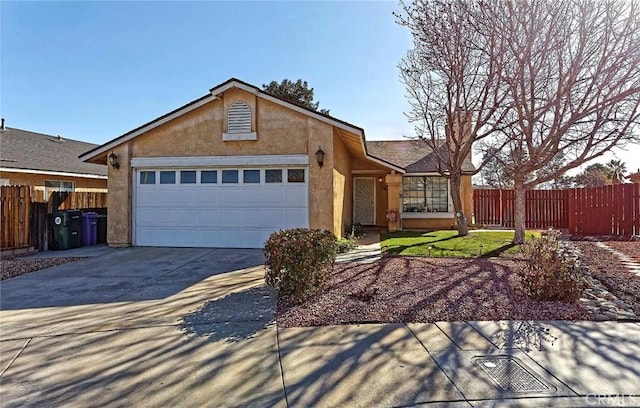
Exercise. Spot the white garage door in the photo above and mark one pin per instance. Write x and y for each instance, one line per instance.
(218, 207)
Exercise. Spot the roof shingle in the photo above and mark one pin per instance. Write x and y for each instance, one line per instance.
(21, 149)
(415, 156)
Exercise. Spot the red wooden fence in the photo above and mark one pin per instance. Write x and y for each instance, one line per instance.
(544, 208)
(607, 210)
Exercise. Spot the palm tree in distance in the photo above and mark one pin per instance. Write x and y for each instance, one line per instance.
(616, 170)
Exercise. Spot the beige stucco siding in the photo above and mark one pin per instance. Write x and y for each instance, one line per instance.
(381, 202)
(320, 178)
(342, 187)
(362, 164)
(37, 181)
(119, 200)
(199, 132)
(280, 131)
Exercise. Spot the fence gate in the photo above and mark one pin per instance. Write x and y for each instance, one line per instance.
(14, 216)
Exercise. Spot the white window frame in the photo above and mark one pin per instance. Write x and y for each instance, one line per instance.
(60, 187)
(447, 214)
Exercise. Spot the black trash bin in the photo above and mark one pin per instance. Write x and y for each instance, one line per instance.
(67, 227)
(102, 229)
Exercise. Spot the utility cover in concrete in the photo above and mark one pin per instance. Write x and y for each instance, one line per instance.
(510, 374)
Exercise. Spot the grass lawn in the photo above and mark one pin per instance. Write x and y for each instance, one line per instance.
(447, 243)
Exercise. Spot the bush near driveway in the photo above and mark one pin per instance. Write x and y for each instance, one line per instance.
(550, 273)
(299, 260)
(446, 243)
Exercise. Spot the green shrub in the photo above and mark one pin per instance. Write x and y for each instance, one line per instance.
(551, 273)
(299, 260)
(346, 244)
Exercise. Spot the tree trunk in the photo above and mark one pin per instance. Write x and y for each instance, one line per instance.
(519, 214)
(461, 219)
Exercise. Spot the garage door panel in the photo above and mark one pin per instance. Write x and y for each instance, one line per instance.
(209, 236)
(274, 196)
(296, 218)
(273, 218)
(207, 217)
(296, 195)
(255, 238)
(154, 216)
(217, 215)
(151, 198)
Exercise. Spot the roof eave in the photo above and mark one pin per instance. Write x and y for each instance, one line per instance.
(102, 149)
(52, 173)
(214, 94)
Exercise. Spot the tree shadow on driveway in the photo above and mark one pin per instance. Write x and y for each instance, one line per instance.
(235, 317)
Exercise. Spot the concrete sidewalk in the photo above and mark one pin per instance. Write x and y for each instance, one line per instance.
(368, 249)
(191, 328)
(572, 364)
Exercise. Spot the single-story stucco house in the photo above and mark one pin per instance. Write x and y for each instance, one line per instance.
(47, 163)
(229, 168)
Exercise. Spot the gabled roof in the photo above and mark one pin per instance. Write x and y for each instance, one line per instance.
(213, 95)
(415, 156)
(32, 152)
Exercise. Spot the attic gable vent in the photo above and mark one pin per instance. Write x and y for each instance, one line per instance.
(239, 123)
(239, 118)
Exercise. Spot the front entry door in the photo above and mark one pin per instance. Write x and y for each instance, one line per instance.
(364, 202)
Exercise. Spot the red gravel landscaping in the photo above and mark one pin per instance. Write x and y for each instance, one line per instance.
(404, 289)
(629, 248)
(10, 268)
(609, 270)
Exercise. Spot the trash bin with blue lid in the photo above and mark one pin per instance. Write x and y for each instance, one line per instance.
(89, 228)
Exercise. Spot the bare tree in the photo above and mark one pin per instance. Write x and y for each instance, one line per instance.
(452, 77)
(572, 72)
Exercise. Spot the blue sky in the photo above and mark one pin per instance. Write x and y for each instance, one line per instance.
(94, 70)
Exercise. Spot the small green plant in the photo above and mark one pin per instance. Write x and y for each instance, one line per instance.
(346, 244)
(355, 230)
(550, 273)
(299, 261)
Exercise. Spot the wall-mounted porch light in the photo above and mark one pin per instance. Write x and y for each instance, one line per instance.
(113, 160)
(381, 181)
(320, 156)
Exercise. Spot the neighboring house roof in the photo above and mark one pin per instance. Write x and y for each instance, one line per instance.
(31, 152)
(634, 177)
(213, 95)
(415, 156)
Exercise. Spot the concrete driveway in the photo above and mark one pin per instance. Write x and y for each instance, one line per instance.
(141, 327)
(164, 327)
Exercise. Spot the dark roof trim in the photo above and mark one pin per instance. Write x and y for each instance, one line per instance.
(214, 92)
(384, 162)
(147, 126)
